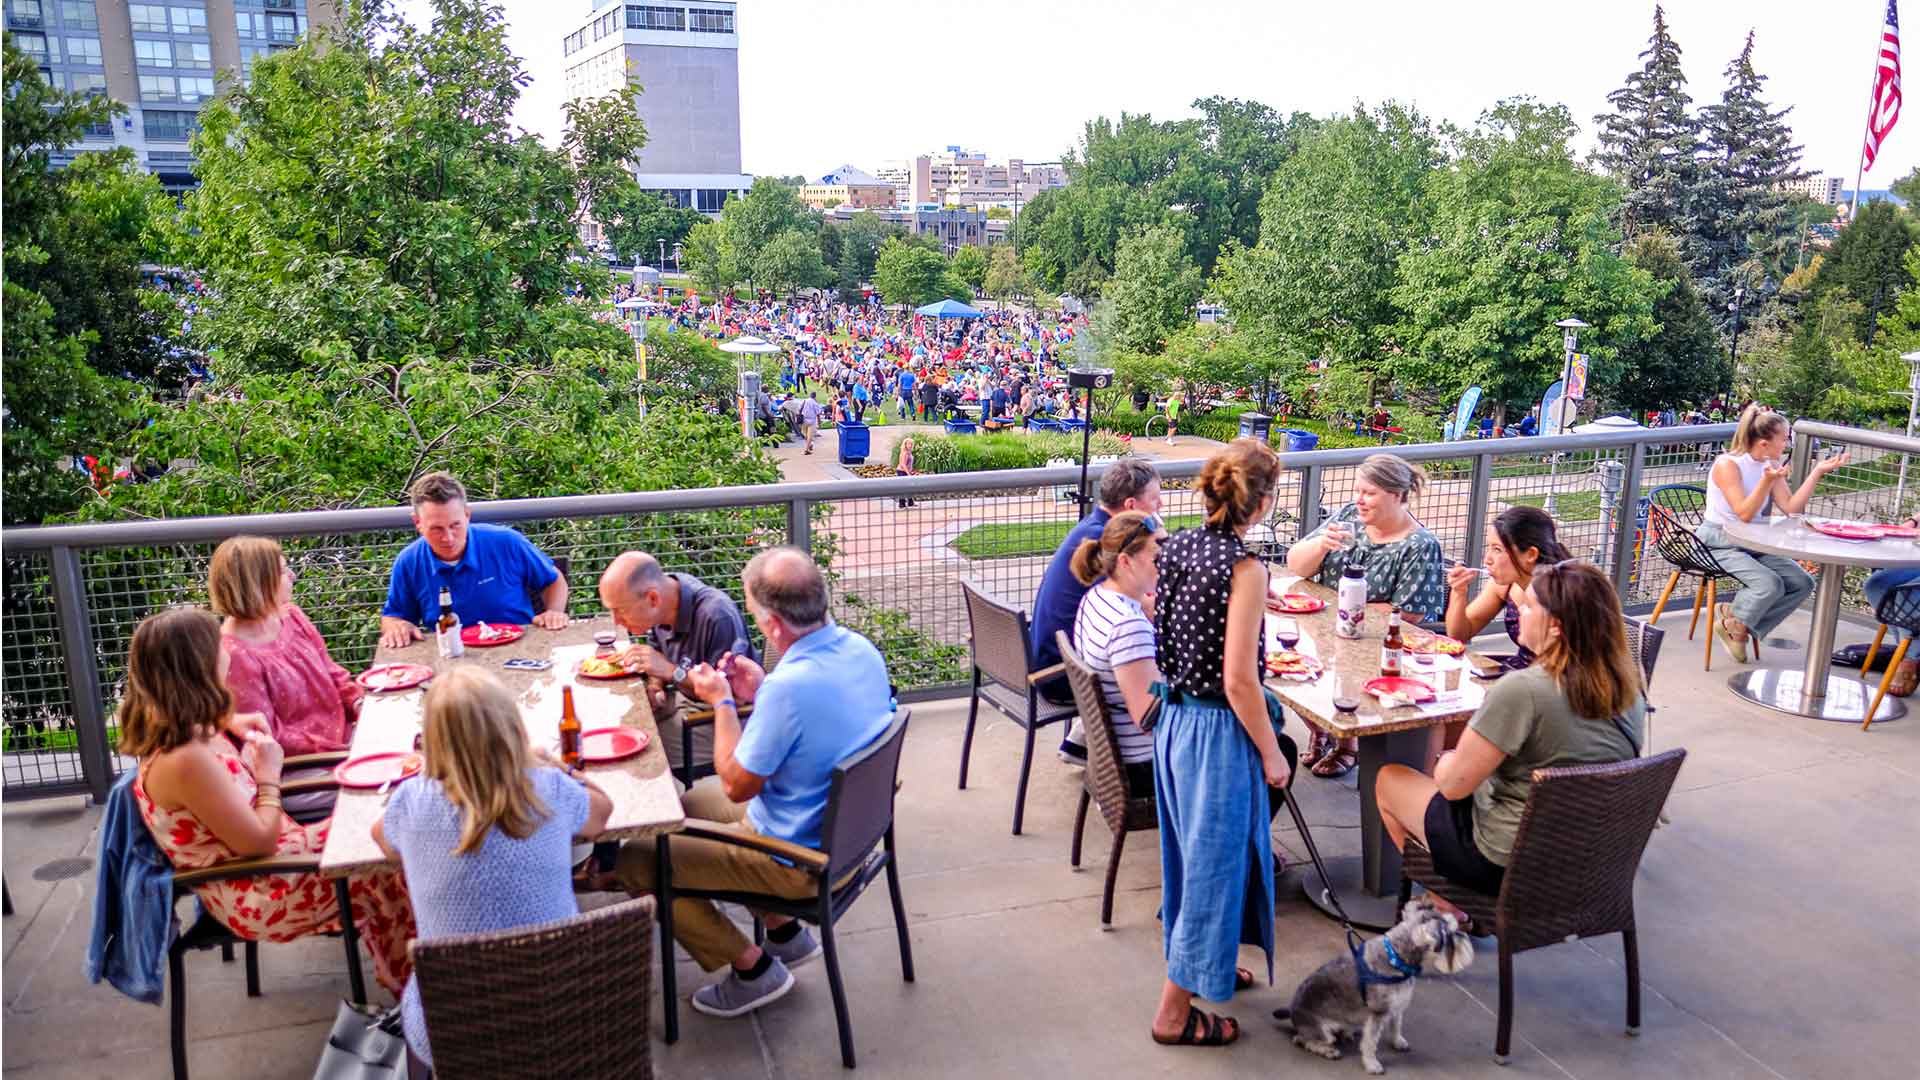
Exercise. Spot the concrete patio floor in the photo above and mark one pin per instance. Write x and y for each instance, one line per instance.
(1776, 912)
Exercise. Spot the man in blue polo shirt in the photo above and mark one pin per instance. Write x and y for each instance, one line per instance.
(495, 574)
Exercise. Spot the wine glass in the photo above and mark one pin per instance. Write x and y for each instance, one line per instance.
(1286, 631)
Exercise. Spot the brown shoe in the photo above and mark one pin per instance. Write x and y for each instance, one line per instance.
(1906, 678)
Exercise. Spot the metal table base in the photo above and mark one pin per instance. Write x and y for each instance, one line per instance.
(1845, 699)
(1369, 885)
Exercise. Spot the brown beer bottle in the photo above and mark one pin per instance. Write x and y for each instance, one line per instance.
(569, 729)
(1392, 648)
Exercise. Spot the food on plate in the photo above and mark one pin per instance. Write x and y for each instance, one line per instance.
(1288, 662)
(411, 764)
(1421, 641)
(1297, 603)
(602, 666)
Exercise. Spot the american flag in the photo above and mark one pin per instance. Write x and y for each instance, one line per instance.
(1886, 87)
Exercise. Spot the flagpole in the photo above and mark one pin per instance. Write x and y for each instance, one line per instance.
(1873, 103)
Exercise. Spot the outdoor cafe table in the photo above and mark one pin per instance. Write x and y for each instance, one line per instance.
(1409, 735)
(1812, 691)
(646, 800)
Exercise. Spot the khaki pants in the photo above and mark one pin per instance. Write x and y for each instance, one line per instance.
(671, 719)
(708, 935)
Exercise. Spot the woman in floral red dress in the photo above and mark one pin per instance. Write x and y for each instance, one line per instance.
(207, 803)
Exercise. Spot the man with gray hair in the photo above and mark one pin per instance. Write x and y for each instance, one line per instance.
(678, 622)
(828, 698)
(1131, 483)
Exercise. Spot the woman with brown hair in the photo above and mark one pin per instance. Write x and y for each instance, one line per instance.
(1582, 702)
(1113, 630)
(280, 667)
(1217, 749)
(207, 803)
(1520, 541)
(486, 830)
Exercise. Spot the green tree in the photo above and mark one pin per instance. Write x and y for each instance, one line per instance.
(1908, 187)
(1875, 383)
(710, 258)
(1521, 239)
(789, 262)
(1742, 214)
(1801, 372)
(970, 263)
(910, 274)
(1649, 143)
(1152, 292)
(1004, 277)
(636, 221)
(769, 210)
(1868, 263)
(1682, 363)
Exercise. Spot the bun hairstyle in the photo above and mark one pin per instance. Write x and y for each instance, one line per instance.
(1523, 527)
(1235, 480)
(1124, 535)
(1394, 475)
(1756, 424)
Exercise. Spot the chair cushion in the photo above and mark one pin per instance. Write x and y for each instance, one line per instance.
(1014, 704)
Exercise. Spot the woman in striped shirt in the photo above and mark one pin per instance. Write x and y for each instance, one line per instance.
(1113, 629)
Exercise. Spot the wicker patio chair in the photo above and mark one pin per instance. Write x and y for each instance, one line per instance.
(1003, 678)
(1901, 608)
(571, 997)
(1571, 875)
(1673, 512)
(857, 831)
(208, 932)
(1105, 783)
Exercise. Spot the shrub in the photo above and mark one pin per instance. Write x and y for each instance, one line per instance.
(1000, 450)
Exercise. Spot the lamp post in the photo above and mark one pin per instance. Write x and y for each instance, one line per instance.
(662, 241)
(1733, 351)
(1569, 338)
(1088, 379)
(1913, 410)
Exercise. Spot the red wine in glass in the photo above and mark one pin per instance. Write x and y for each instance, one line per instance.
(1287, 632)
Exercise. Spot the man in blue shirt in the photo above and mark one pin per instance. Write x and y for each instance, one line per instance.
(905, 384)
(1128, 484)
(494, 573)
(827, 699)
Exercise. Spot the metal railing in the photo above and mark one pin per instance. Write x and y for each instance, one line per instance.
(73, 594)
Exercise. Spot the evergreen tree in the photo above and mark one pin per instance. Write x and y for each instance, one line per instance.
(1746, 222)
(1868, 264)
(1682, 364)
(1649, 143)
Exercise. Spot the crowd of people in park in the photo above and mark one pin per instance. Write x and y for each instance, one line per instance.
(1171, 625)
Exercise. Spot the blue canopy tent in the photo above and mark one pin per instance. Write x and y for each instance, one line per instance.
(949, 309)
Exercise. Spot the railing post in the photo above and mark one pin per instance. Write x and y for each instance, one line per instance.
(83, 671)
(1479, 494)
(1801, 463)
(800, 524)
(1309, 501)
(1626, 523)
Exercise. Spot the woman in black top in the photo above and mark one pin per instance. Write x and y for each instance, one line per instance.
(1216, 748)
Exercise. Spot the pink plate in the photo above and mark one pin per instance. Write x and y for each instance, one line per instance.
(1904, 532)
(1847, 530)
(386, 678)
(612, 743)
(1294, 603)
(373, 770)
(1396, 684)
(503, 634)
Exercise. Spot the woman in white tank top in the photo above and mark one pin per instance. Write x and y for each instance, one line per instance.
(1747, 483)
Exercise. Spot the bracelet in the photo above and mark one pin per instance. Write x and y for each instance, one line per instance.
(728, 702)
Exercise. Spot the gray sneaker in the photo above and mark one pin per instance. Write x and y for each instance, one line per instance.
(737, 996)
(801, 949)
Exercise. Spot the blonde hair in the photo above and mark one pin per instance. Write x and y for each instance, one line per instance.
(174, 690)
(1756, 424)
(243, 580)
(1235, 480)
(1125, 532)
(476, 747)
(1394, 475)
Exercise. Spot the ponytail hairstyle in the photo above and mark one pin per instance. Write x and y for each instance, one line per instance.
(1756, 423)
(1125, 533)
(1523, 527)
(1394, 475)
(1235, 480)
(1589, 660)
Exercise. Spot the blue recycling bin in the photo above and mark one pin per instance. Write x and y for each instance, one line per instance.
(856, 441)
(958, 426)
(1298, 440)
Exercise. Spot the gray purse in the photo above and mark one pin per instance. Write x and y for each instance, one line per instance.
(363, 1047)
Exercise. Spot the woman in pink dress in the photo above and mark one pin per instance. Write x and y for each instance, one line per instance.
(280, 666)
(207, 803)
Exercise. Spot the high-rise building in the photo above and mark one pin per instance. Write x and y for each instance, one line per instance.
(686, 59)
(1823, 189)
(160, 59)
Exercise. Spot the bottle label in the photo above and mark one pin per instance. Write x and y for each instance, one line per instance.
(1389, 661)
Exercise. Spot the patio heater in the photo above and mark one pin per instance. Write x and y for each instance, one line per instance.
(1088, 379)
(1913, 411)
(1570, 338)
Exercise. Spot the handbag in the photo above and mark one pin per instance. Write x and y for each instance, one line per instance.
(363, 1047)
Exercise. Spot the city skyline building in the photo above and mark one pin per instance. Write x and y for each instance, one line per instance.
(960, 177)
(1821, 189)
(162, 60)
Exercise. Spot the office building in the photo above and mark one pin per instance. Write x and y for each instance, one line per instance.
(686, 59)
(951, 227)
(1821, 189)
(162, 60)
(960, 177)
(850, 187)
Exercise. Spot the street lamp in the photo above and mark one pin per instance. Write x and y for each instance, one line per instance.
(662, 241)
(1569, 338)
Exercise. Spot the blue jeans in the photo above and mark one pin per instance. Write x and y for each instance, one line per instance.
(1772, 585)
(1882, 582)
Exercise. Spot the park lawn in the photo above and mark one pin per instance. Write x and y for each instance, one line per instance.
(1570, 506)
(1006, 540)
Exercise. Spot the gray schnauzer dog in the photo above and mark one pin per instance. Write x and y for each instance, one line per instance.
(1370, 987)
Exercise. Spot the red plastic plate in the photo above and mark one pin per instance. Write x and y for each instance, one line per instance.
(1905, 532)
(373, 770)
(384, 678)
(503, 634)
(1399, 684)
(1294, 603)
(624, 674)
(611, 744)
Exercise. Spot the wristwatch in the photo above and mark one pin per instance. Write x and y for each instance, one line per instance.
(679, 674)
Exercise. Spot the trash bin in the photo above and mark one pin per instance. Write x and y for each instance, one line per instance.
(1298, 440)
(1256, 425)
(960, 426)
(856, 440)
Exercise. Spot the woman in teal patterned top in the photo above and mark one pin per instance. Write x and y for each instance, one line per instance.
(1403, 563)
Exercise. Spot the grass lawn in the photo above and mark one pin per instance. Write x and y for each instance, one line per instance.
(1570, 506)
(1021, 538)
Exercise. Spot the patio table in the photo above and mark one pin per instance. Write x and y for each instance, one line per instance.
(1410, 735)
(1813, 691)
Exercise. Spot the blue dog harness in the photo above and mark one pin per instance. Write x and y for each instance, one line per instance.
(1367, 976)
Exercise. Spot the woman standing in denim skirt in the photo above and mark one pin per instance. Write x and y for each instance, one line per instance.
(1217, 750)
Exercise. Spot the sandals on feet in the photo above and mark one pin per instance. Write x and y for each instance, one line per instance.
(1338, 762)
(1906, 678)
(1736, 646)
(1317, 747)
(1203, 1029)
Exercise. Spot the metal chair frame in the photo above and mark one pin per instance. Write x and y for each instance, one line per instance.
(1901, 608)
(1105, 783)
(1673, 512)
(1003, 677)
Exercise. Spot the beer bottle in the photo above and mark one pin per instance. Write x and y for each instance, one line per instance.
(1391, 649)
(569, 729)
(447, 631)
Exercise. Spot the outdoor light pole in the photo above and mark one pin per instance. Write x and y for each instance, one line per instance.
(1088, 379)
(1733, 352)
(662, 241)
(1569, 339)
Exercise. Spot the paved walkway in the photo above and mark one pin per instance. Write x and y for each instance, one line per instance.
(1776, 913)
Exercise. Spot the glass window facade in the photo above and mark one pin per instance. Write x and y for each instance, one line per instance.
(147, 18)
(83, 50)
(650, 17)
(709, 21)
(25, 15)
(78, 15)
(168, 125)
(153, 54)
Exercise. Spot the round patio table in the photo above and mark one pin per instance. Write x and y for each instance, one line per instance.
(1813, 691)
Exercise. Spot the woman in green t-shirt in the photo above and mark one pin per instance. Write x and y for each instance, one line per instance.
(1581, 703)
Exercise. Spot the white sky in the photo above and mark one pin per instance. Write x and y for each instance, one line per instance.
(829, 81)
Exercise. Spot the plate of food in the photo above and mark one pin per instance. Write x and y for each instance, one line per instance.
(1294, 665)
(388, 678)
(1402, 690)
(485, 635)
(377, 770)
(603, 667)
(1422, 641)
(1294, 603)
(611, 743)
(1900, 532)
(1846, 530)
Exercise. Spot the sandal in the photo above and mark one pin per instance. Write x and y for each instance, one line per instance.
(1317, 746)
(1906, 678)
(1242, 979)
(1338, 763)
(1736, 646)
(1203, 1029)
